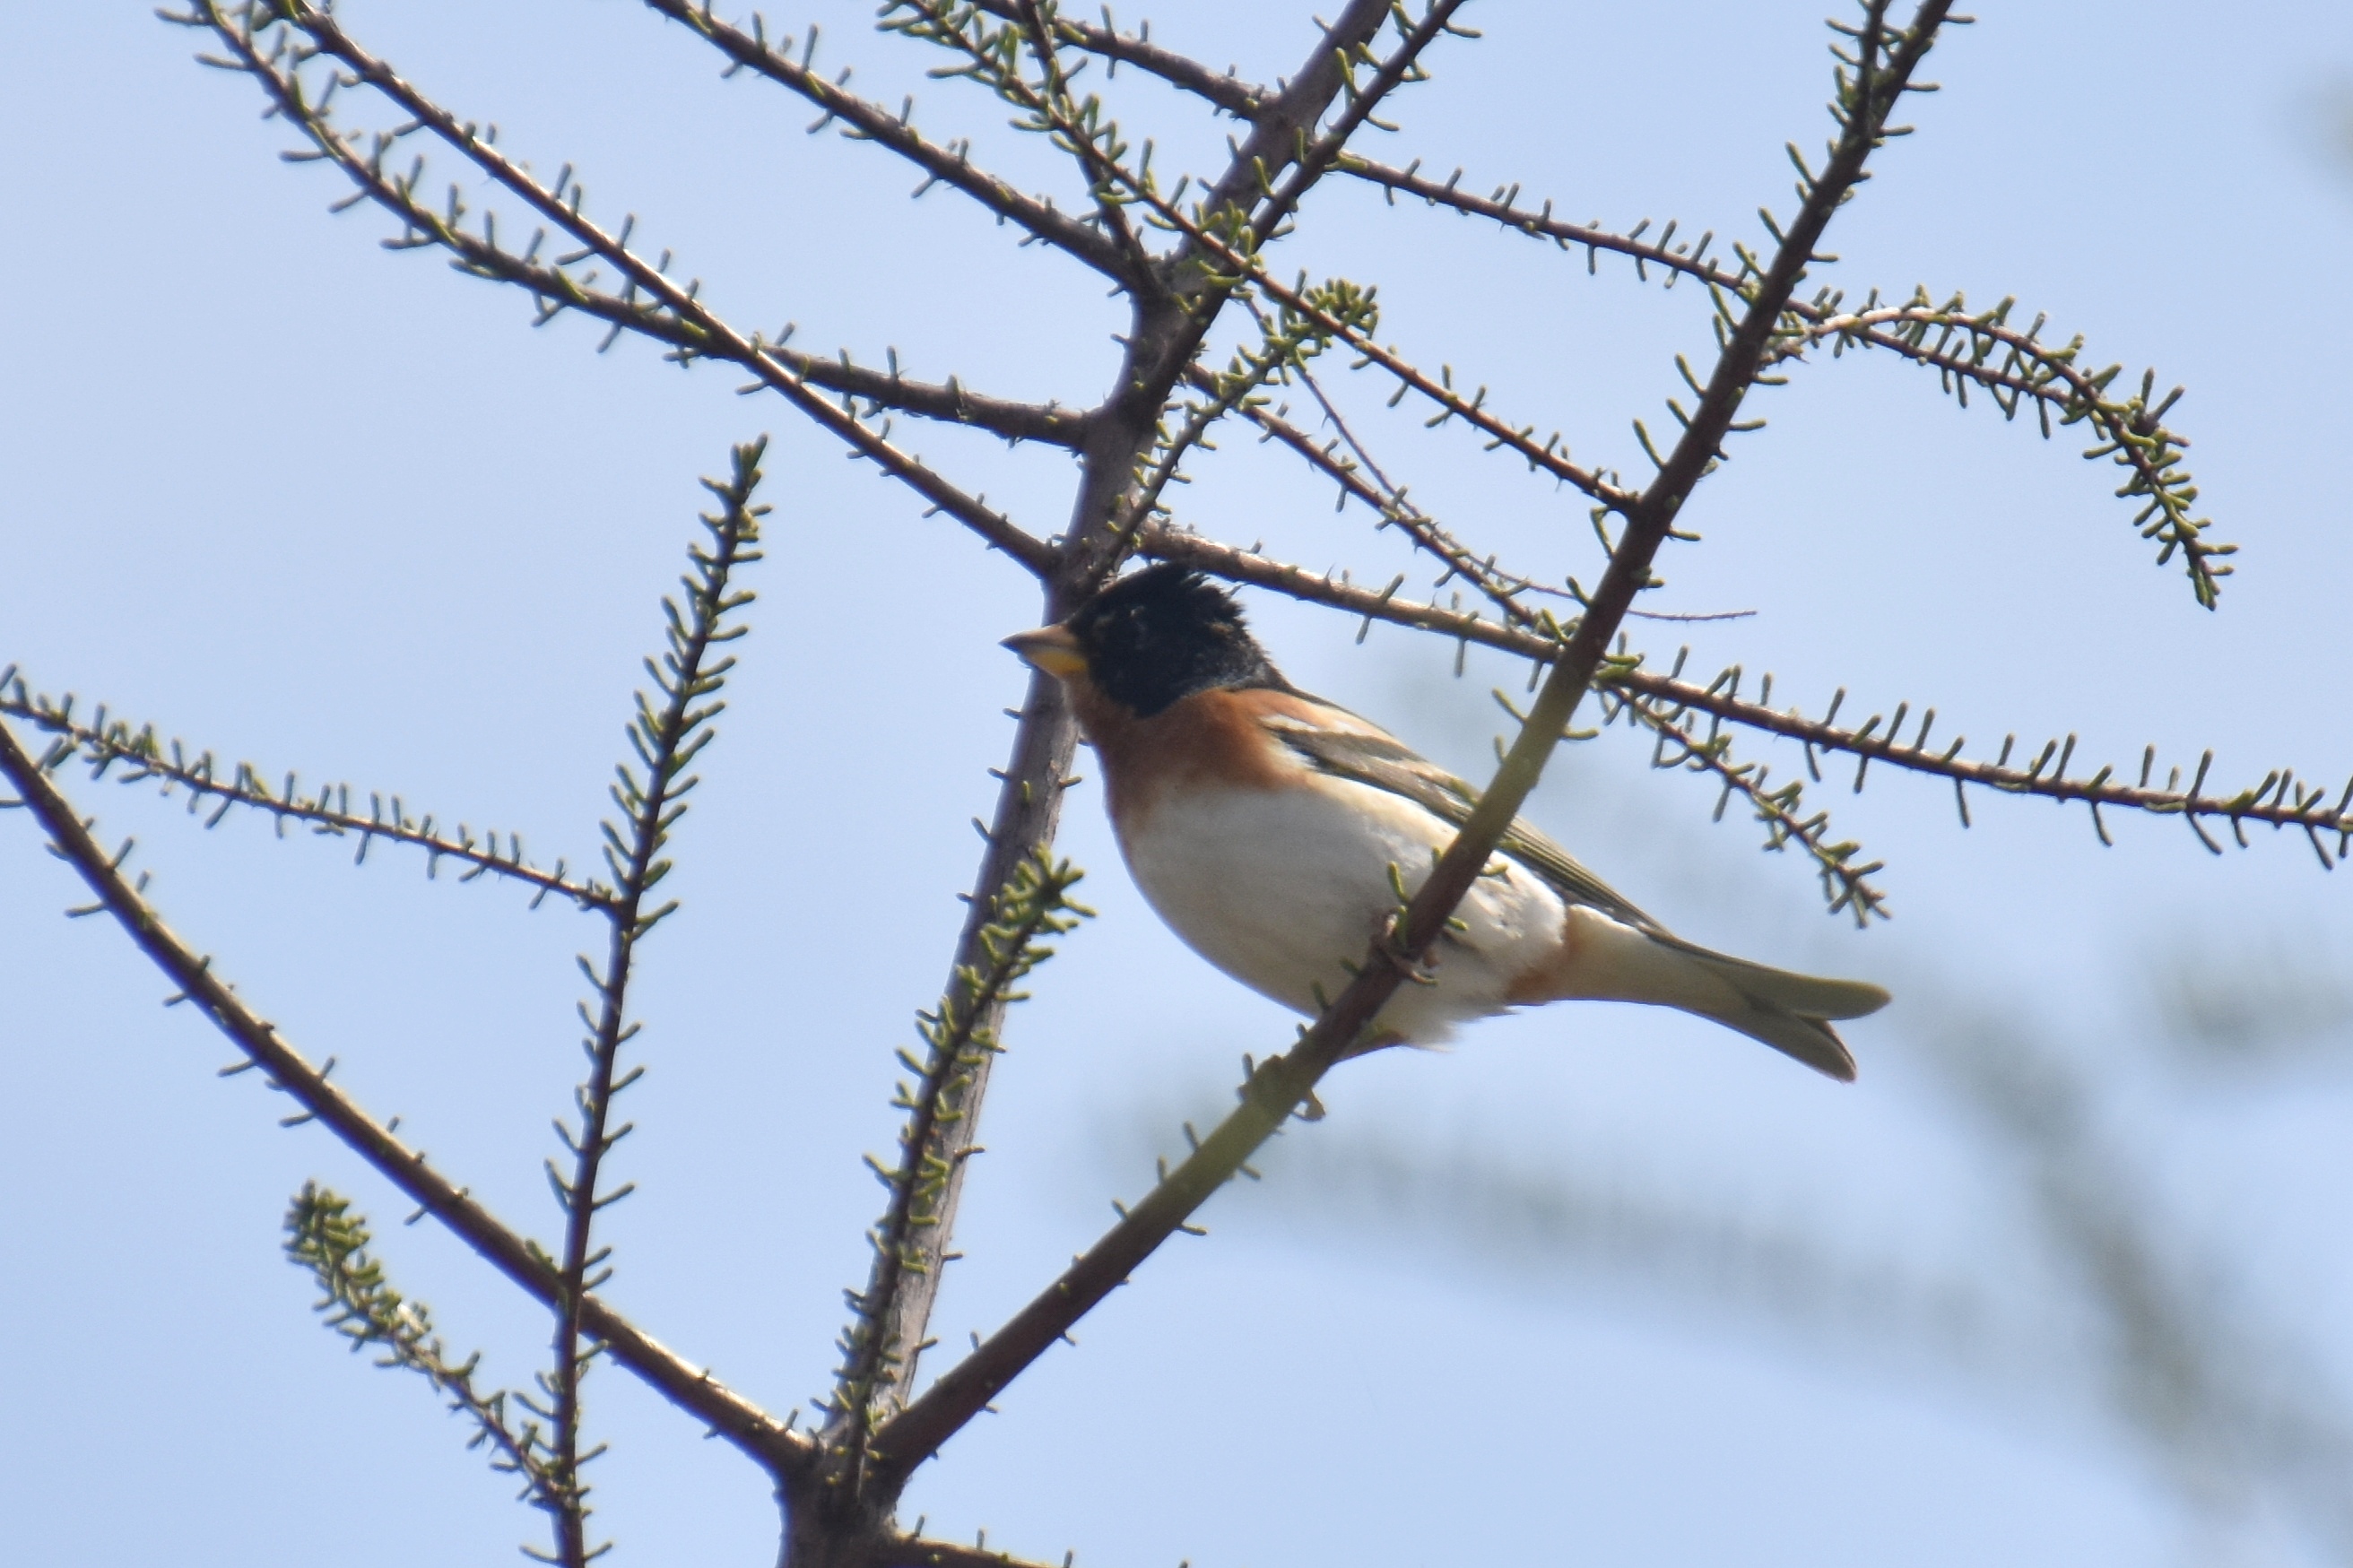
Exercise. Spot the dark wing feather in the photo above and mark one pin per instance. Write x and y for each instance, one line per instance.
(1371, 757)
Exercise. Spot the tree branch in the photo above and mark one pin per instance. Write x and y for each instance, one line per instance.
(104, 743)
(2009, 364)
(766, 1441)
(1082, 133)
(667, 739)
(925, 1552)
(1227, 91)
(2278, 800)
(871, 123)
(359, 1304)
(1549, 456)
(1279, 144)
(397, 195)
(1034, 905)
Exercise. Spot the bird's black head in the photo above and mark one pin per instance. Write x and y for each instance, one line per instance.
(1167, 633)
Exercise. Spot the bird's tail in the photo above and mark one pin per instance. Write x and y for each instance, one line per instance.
(1789, 1012)
(1608, 960)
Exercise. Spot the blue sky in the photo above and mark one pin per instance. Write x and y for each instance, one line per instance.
(326, 508)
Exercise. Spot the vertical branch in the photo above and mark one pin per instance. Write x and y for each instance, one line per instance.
(944, 1115)
(1036, 904)
(667, 739)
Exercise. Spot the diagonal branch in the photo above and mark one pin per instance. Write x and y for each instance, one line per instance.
(1237, 98)
(1158, 357)
(925, 1552)
(1080, 130)
(1845, 877)
(1549, 456)
(1277, 1087)
(1282, 143)
(1034, 905)
(869, 122)
(1968, 348)
(765, 1440)
(359, 1304)
(1360, 478)
(2278, 800)
(240, 28)
(104, 744)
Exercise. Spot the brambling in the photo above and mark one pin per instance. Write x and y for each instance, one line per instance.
(1270, 829)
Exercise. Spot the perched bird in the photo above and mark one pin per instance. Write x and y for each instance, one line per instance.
(1262, 823)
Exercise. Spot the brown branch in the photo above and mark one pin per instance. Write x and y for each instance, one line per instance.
(1278, 138)
(1163, 340)
(1312, 162)
(1279, 144)
(904, 1280)
(556, 290)
(871, 123)
(1846, 880)
(1227, 91)
(103, 744)
(1550, 456)
(2277, 801)
(923, 1552)
(1061, 112)
(2133, 428)
(397, 196)
(766, 1441)
(1502, 588)
(1035, 905)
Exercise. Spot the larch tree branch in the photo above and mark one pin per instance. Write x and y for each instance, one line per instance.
(761, 1437)
(2280, 799)
(1165, 334)
(110, 745)
(668, 732)
(950, 166)
(1966, 348)
(1244, 100)
(239, 28)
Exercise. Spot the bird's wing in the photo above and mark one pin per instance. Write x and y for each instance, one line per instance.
(1366, 754)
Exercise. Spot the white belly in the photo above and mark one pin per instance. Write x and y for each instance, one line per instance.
(1283, 889)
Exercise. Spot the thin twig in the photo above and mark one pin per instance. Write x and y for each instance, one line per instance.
(767, 1441)
(1073, 126)
(667, 739)
(2131, 429)
(141, 755)
(1034, 904)
(358, 1303)
(398, 197)
(1237, 98)
(870, 121)
(2297, 806)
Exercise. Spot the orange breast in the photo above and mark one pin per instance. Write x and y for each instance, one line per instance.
(1211, 740)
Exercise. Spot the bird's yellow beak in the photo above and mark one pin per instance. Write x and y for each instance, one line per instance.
(1050, 648)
